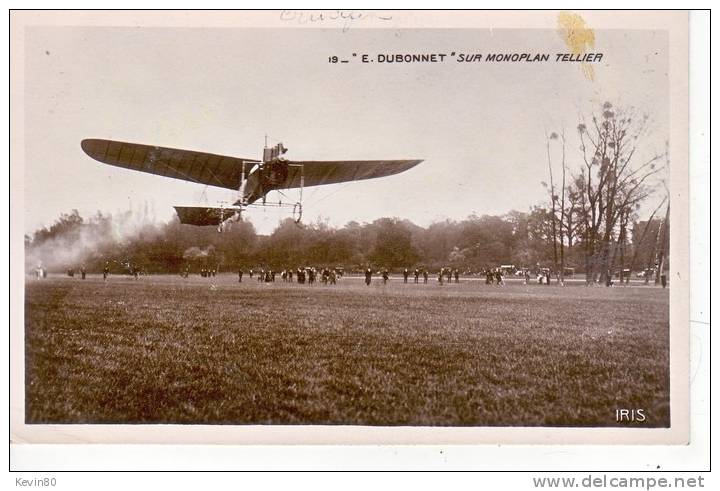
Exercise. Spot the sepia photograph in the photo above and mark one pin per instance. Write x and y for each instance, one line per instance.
(342, 220)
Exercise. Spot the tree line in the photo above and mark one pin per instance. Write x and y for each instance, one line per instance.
(522, 239)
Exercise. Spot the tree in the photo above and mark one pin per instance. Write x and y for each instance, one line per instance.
(611, 184)
(558, 211)
(393, 246)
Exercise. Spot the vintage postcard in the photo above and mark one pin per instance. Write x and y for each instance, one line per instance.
(349, 227)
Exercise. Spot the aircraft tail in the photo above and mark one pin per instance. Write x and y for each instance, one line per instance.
(205, 215)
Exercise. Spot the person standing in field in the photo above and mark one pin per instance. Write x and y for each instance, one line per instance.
(368, 276)
(385, 276)
(106, 271)
(457, 275)
(440, 276)
(425, 276)
(82, 272)
(406, 273)
(240, 275)
(417, 275)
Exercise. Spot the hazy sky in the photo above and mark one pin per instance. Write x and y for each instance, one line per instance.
(479, 127)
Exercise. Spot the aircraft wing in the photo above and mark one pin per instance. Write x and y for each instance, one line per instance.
(331, 172)
(188, 165)
(315, 173)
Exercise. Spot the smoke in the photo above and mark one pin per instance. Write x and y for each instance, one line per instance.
(74, 242)
(192, 253)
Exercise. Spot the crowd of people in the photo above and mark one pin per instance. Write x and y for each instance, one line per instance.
(330, 276)
(311, 275)
(300, 275)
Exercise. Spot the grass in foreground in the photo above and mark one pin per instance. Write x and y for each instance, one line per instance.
(169, 350)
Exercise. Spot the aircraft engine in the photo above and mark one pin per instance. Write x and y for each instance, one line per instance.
(275, 173)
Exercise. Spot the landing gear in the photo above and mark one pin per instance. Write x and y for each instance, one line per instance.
(227, 220)
(274, 173)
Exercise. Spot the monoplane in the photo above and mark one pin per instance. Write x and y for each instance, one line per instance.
(252, 179)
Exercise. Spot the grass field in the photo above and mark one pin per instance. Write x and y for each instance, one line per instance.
(163, 349)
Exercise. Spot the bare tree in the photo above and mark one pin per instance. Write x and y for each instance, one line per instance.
(641, 240)
(553, 199)
(662, 254)
(558, 206)
(611, 183)
(562, 209)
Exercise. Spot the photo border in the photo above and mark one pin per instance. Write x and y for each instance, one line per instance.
(678, 433)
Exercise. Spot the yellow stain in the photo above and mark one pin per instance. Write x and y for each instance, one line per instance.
(578, 37)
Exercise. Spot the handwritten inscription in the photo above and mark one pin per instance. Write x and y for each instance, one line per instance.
(341, 18)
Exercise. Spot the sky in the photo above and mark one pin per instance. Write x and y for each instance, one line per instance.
(480, 127)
